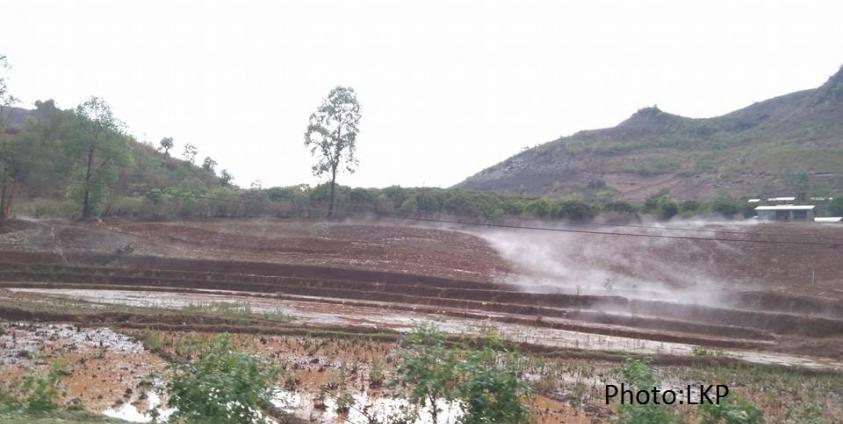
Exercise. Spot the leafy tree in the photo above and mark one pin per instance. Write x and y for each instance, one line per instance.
(209, 164)
(539, 207)
(189, 153)
(835, 207)
(621, 207)
(575, 211)
(661, 204)
(726, 205)
(9, 183)
(427, 369)
(331, 135)
(165, 145)
(225, 178)
(222, 386)
(690, 206)
(103, 150)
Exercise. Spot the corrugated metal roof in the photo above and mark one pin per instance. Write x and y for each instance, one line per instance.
(785, 208)
(754, 201)
(781, 199)
(828, 219)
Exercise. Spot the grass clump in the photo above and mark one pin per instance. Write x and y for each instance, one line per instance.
(236, 310)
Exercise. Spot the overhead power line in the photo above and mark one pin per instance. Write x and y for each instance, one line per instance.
(830, 244)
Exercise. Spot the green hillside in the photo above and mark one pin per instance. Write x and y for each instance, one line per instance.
(44, 154)
(791, 144)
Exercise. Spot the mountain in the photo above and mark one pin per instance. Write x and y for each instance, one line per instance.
(792, 144)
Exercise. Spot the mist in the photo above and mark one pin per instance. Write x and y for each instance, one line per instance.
(646, 268)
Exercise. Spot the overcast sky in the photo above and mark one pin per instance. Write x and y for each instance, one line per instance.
(447, 87)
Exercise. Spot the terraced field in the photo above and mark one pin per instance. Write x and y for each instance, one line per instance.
(404, 269)
(569, 295)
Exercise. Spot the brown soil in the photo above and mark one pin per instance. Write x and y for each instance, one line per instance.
(445, 272)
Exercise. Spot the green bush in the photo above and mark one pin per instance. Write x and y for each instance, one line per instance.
(662, 205)
(539, 208)
(574, 210)
(640, 374)
(730, 411)
(726, 206)
(621, 207)
(835, 208)
(222, 386)
(485, 382)
(491, 390)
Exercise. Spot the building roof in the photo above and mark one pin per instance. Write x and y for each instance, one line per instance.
(828, 219)
(781, 199)
(785, 208)
(754, 201)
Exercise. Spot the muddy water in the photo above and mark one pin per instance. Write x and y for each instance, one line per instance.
(315, 313)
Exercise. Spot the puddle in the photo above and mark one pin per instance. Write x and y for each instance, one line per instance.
(315, 313)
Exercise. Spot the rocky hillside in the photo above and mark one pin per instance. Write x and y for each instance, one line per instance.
(791, 144)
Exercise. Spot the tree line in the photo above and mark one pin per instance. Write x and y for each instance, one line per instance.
(81, 163)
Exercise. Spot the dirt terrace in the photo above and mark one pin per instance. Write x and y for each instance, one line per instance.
(458, 274)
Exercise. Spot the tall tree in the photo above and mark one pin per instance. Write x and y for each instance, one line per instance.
(165, 145)
(209, 164)
(9, 183)
(103, 148)
(331, 136)
(225, 178)
(189, 153)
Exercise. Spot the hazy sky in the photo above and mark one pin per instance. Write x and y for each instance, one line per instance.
(447, 87)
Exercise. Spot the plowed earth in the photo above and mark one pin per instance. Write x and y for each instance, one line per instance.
(749, 297)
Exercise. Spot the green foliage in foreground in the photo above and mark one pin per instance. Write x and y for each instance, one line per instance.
(222, 386)
(56, 418)
(731, 411)
(36, 393)
(236, 310)
(484, 382)
(641, 375)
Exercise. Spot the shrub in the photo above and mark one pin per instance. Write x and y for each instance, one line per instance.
(574, 210)
(835, 208)
(221, 387)
(491, 391)
(662, 205)
(726, 206)
(640, 374)
(539, 208)
(41, 392)
(621, 207)
(485, 382)
(427, 369)
(730, 411)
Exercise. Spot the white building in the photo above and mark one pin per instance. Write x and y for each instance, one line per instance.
(786, 212)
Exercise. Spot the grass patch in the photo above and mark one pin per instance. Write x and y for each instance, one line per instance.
(237, 310)
(78, 417)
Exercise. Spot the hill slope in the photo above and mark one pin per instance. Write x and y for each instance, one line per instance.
(788, 144)
(49, 130)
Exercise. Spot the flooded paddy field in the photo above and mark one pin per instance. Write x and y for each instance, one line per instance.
(321, 299)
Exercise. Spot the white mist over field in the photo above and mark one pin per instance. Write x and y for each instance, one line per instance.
(650, 268)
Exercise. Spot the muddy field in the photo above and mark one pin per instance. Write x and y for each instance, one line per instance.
(767, 294)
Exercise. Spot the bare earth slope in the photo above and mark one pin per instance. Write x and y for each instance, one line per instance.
(759, 302)
(774, 146)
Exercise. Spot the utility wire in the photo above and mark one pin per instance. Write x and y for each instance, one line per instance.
(831, 244)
